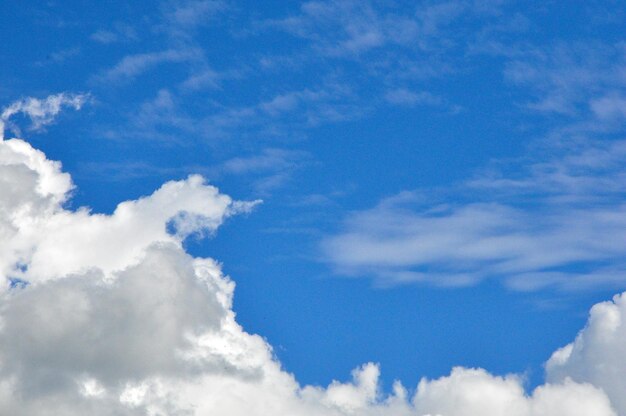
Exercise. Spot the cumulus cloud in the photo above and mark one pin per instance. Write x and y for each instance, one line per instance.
(107, 315)
(597, 354)
(54, 242)
(468, 392)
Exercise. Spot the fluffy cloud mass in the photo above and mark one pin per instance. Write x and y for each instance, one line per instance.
(597, 354)
(107, 315)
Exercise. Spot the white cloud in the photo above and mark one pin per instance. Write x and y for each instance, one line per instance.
(567, 79)
(55, 242)
(469, 392)
(608, 107)
(41, 112)
(120, 32)
(187, 14)
(349, 28)
(465, 244)
(270, 159)
(113, 318)
(206, 78)
(402, 96)
(104, 36)
(286, 114)
(131, 66)
(597, 354)
(557, 222)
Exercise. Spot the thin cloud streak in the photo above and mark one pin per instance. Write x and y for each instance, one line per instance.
(41, 112)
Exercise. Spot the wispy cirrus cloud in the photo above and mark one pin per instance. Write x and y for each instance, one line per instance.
(119, 32)
(268, 159)
(464, 245)
(190, 13)
(551, 219)
(405, 45)
(131, 66)
(349, 28)
(403, 96)
(564, 78)
(205, 78)
(557, 223)
(286, 114)
(41, 112)
(264, 172)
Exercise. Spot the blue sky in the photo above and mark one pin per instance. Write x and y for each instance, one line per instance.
(442, 182)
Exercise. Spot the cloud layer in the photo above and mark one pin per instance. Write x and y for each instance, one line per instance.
(107, 315)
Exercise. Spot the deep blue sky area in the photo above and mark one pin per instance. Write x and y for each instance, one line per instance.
(430, 171)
